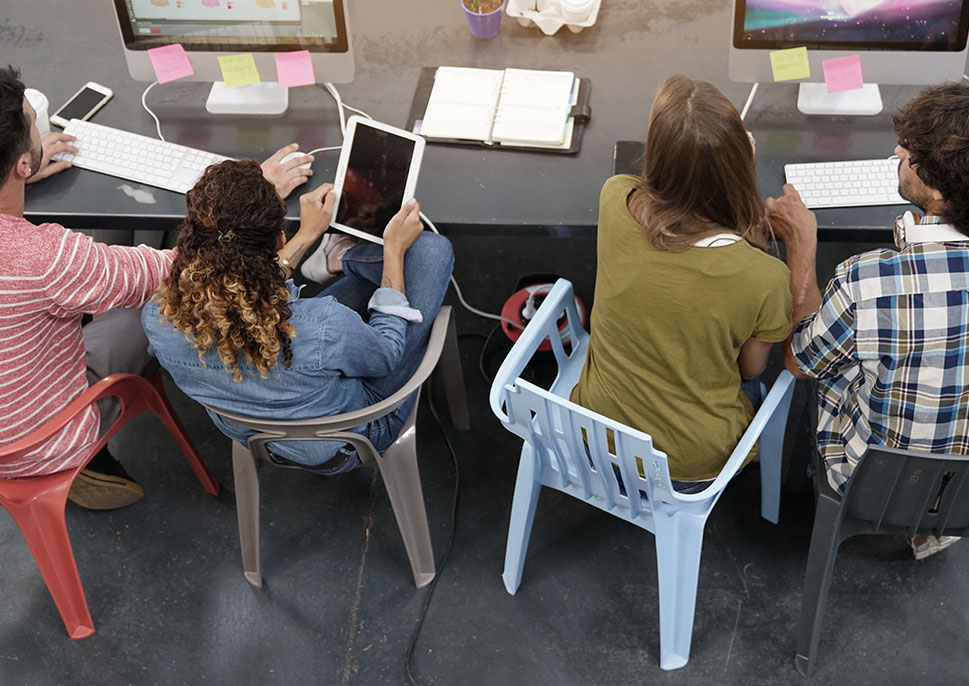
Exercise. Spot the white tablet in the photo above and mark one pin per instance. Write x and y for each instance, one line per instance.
(376, 175)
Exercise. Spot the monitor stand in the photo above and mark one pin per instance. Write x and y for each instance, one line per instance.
(265, 98)
(814, 98)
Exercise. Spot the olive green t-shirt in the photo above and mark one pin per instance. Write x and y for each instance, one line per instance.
(667, 328)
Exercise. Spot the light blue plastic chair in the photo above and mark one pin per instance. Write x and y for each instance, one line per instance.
(555, 429)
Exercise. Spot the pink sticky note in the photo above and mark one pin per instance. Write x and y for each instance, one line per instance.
(843, 73)
(170, 62)
(294, 69)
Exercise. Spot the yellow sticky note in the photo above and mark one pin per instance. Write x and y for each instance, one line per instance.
(790, 64)
(238, 70)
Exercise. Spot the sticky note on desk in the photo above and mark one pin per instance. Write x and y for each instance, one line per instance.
(790, 64)
(843, 73)
(170, 62)
(239, 70)
(294, 69)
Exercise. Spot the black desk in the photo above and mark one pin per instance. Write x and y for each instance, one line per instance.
(466, 191)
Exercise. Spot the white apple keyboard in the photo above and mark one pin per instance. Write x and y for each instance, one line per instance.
(856, 183)
(136, 158)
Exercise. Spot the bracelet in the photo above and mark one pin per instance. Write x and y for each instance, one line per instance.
(285, 262)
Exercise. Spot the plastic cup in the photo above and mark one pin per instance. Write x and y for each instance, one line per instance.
(39, 102)
(484, 25)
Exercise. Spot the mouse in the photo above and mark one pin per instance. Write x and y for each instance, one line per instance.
(291, 155)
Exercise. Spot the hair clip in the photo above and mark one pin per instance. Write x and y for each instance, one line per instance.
(227, 237)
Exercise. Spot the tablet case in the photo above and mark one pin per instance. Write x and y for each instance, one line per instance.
(581, 112)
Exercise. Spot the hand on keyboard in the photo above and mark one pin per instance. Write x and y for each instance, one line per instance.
(53, 143)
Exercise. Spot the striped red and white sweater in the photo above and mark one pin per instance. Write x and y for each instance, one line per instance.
(49, 278)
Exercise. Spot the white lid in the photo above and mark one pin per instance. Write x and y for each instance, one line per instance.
(577, 5)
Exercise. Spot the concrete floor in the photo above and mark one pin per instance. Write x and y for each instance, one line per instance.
(165, 587)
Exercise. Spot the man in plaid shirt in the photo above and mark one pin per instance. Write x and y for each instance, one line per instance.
(889, 341)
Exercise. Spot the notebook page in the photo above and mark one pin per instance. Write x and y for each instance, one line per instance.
(534, 107)
(566, 143)
(462, 103)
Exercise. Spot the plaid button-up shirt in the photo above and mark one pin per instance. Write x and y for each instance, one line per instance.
(890, 349)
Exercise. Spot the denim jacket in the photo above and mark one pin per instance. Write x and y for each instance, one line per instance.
(334, 352)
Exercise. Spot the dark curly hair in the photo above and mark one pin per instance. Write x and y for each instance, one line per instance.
(14, 125)
(225, 289)
(934, 129)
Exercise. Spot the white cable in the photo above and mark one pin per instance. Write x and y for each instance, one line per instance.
(339, 106)
(457, 289)
(966, 77)
(360, 112)
(750, 99)
(327, 149)
(148, 109)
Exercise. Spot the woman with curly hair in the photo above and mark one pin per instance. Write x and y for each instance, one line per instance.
(230, 327)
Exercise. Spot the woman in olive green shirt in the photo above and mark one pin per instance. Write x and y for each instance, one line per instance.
(687, 299)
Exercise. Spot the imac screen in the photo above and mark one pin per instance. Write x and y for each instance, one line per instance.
(376, 176)
(235, 25)
(878, 24)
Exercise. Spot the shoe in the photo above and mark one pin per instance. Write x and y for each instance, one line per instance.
(104, 485)
(926, 546)
(326, 263)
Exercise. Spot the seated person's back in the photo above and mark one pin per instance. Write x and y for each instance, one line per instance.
(234, 334)
(687, 300)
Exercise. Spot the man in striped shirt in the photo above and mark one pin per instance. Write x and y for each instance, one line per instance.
(889, 341)
(50, 278)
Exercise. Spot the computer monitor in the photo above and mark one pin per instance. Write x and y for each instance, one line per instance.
(210, 28)
(898, 41)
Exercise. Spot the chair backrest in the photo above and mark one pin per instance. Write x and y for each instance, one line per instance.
(591, 456)
(902, 491)
(576, 446)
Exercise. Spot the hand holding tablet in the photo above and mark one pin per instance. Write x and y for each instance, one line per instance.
(376, 175)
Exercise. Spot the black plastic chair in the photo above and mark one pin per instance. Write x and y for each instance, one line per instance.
(890, 492)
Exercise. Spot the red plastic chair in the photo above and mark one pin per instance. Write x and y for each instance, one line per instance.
(37, 503)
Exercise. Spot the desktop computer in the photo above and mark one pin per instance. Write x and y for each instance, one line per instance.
(898, 41)
(208, 29)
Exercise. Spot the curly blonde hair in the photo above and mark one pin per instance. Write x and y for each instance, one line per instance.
(225, 289)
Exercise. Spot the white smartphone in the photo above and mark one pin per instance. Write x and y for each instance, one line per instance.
(83, 104)
(376, 175)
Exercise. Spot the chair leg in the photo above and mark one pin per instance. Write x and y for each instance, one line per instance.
(44, 527)
(527, 488)
(449, 366)
(772, 459)
(825, 540)
(399, 470)
(170, 419)
(247, 510)
(679, 541)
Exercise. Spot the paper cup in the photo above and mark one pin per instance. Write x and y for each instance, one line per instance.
(38, 101)
(576, 10)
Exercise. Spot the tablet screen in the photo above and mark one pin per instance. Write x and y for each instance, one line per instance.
(376, 175)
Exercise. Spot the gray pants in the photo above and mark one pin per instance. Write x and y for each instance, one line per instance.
(115, 343)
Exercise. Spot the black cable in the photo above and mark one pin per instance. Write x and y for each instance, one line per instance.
(447, 548)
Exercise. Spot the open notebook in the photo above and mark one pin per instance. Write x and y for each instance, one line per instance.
(513, 107)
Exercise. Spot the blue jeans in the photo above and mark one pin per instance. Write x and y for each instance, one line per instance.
(427, 271)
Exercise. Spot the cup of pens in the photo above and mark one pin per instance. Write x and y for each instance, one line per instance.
(484, 16)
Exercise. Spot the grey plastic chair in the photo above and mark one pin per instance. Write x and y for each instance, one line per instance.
(397, 466)
(890, 492)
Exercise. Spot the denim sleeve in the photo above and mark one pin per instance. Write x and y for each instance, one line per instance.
(357, 348)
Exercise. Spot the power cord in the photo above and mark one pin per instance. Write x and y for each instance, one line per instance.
(408, 657)
(750, 99)
(144, 104)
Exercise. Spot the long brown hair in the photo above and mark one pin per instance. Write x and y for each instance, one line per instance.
(225, 289)
(699, 173)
